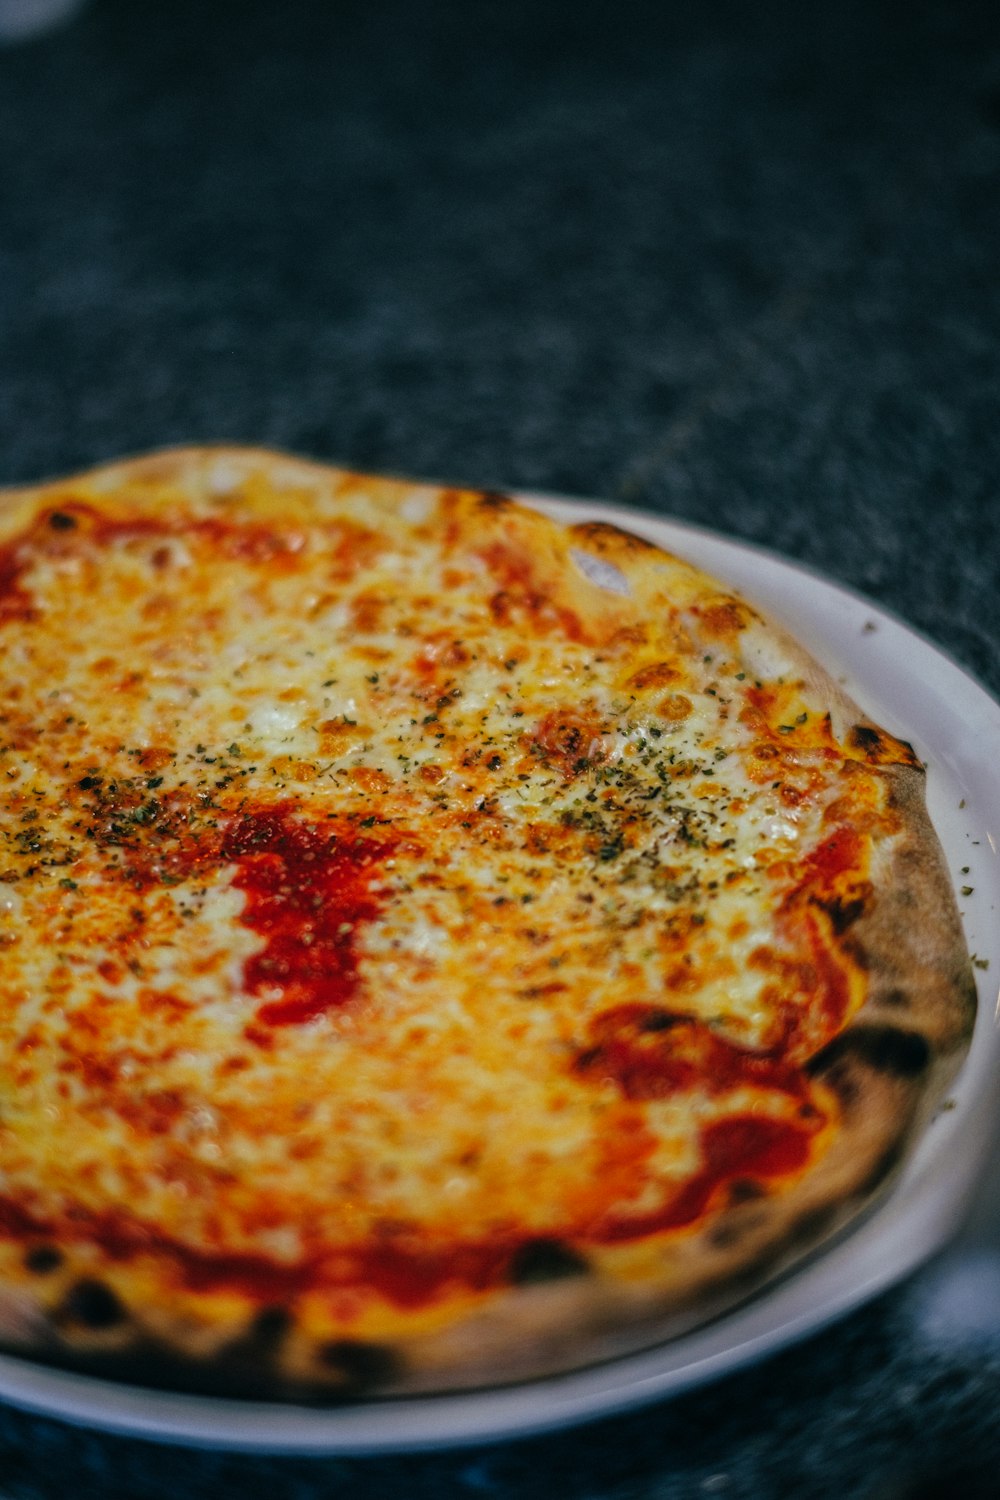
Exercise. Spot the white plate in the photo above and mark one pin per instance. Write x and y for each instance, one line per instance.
(906, 684)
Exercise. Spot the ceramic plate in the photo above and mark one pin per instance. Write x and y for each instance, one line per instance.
(906, 684)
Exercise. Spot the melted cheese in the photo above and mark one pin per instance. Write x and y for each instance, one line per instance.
(503, 798)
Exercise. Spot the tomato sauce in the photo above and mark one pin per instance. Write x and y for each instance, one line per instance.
(308, 888)
(290, 872)
(833, 989)
(837, 855)
(15, 603)
(736, 1149)
(411, 1275)
(651, 1053)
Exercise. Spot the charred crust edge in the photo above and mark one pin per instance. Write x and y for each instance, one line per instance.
(264, 1334)
(843, 912)
(90, 1303)
(41, 1260)
(604, 536)
(542, 1260)
(890, 1050)
(881, 748)
(359, 1365)
(251, 1368)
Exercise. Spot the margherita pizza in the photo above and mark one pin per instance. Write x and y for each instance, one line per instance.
(437, 947)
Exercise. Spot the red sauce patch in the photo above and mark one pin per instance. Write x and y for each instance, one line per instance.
(15, 603)
(741, 1148)
(839, 854)
(308, 887)
(16, 1222)
(832, 988)
(402, 1272)
(412, 1276)
(831, 881)
(651, 1053)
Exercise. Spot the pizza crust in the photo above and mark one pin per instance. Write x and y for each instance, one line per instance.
(889, 1068)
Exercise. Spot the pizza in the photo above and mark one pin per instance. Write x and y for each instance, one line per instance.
(438, 946)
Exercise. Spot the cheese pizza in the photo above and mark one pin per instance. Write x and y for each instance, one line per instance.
(438, 947)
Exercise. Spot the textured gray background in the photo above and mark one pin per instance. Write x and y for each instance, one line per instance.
(735, 263)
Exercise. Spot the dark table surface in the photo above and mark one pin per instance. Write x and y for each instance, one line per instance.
(732, 263)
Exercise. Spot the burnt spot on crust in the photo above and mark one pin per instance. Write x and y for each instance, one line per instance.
(745, 1200)
(153, 1364)
(745, 1190)
(865, 738)
(842, 1077)
(41, 1260)
(269, 1326)
(494, 500)
(253, 1356)
(815, 1225)
(879, 748)
(726, 1233)
(359, 1366)
(656, 1018)
(844, 911)
(897, 998)
(91, 1304)
(796, 1235)
(542, 1260)
(884, 1049)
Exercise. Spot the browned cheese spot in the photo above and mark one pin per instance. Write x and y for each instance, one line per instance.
(882, 749)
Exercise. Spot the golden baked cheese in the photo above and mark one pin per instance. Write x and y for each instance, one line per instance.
(419, 924)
